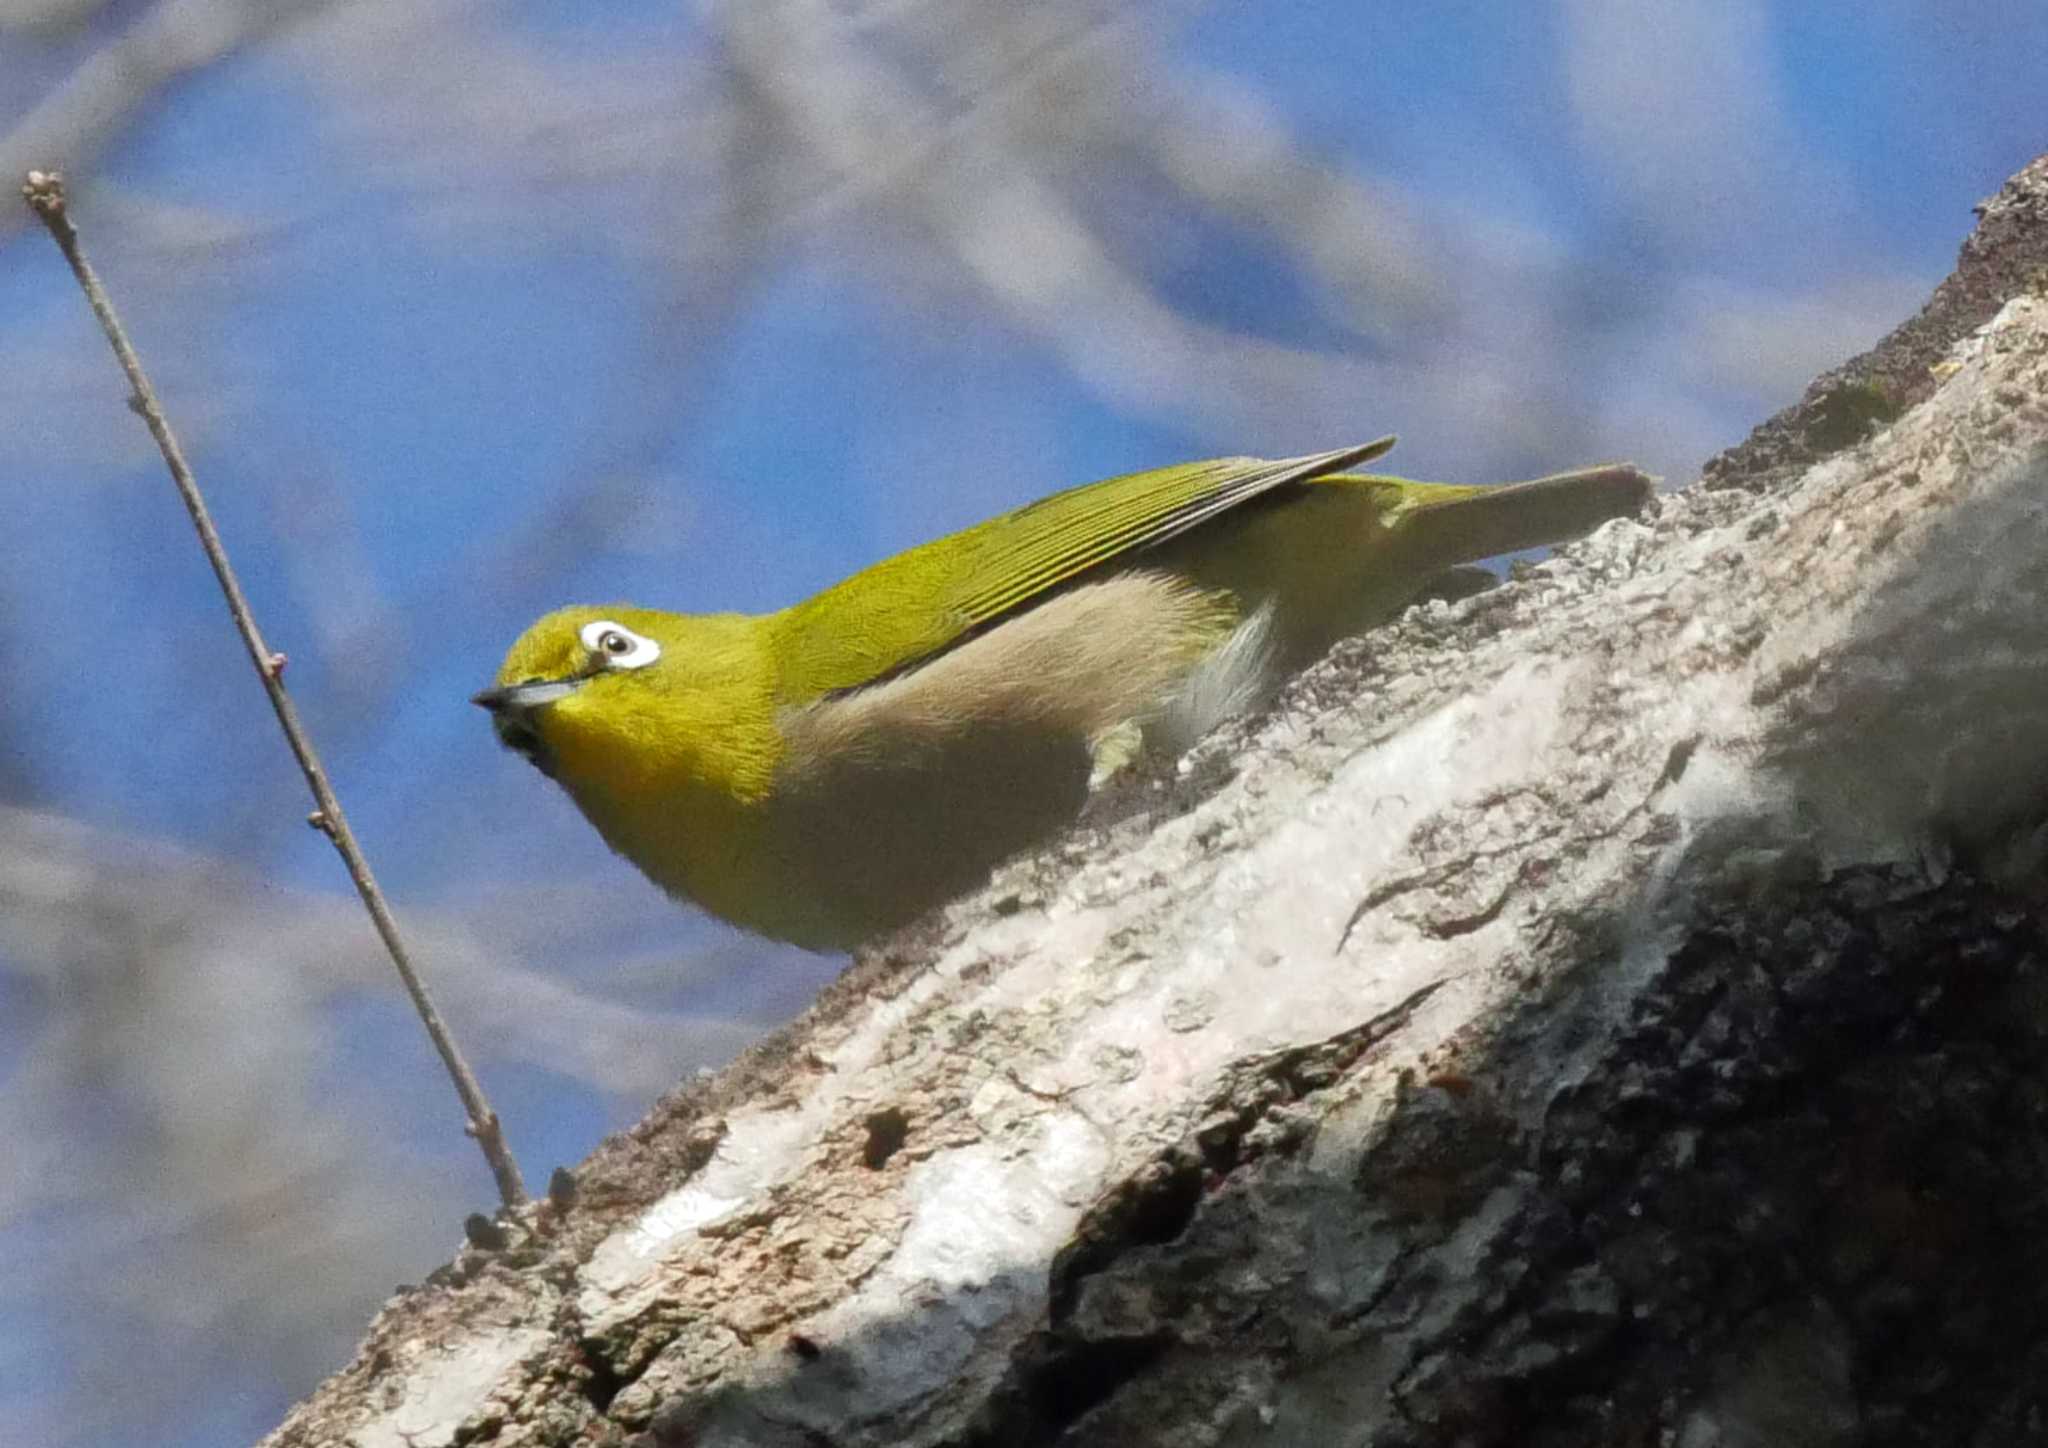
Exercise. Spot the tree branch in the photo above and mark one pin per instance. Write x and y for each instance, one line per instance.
(44, 193)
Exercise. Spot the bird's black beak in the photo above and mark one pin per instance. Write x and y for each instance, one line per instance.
(524, 697)
(513, 707)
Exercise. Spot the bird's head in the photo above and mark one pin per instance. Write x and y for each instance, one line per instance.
(626, 702)
(587, 660)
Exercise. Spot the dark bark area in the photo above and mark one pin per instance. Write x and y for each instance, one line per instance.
(1800, 1197)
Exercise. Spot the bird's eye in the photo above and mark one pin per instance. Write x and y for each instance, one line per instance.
(617, 646)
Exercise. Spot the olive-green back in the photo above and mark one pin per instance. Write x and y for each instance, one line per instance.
(920, 602)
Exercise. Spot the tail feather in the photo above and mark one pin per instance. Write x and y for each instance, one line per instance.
(1458, 524)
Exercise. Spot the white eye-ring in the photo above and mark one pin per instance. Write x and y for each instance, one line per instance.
(617, 646)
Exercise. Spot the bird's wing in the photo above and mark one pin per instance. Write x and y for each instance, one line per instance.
(907, 608)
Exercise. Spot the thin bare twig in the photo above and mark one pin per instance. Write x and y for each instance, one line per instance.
(44, 192)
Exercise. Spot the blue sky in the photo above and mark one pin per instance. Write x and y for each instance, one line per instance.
(465, 314)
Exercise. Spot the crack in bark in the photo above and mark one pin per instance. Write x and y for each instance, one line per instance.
(1435, 876)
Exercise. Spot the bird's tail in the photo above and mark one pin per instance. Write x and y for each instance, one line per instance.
(1457, 523)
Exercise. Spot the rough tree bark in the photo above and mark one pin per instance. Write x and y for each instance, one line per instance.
(1610, 1009)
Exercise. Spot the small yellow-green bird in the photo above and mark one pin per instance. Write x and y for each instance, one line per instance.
(829, 772)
